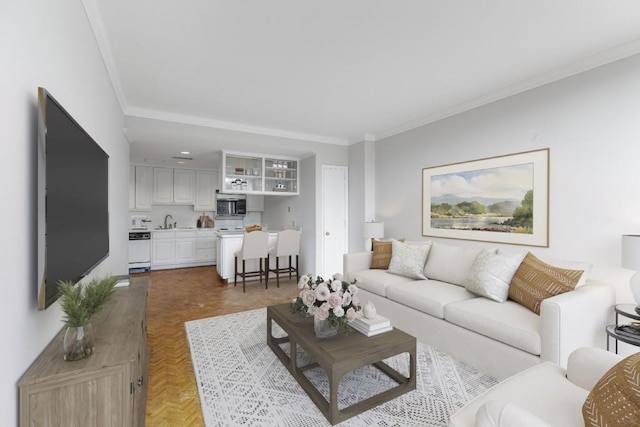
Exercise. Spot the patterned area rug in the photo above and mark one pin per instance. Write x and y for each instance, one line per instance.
(242, 382)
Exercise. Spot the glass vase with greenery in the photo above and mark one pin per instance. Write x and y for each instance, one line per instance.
(80, 303)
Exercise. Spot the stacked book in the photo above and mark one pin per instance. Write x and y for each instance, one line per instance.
(629, 331)
(371, 327)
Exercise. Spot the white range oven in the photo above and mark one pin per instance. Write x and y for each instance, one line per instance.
(139, 251)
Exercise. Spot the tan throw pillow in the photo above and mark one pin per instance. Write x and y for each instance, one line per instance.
(381, 254)
(536, 280)
(615, 399)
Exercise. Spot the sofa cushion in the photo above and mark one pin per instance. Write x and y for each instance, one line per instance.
(536, 280)
(615, 399)
(449, 263)
(428, 296)
(507, 322)
(542, 390)
(381, 253)
(376, 281)
(491, 274)
(496, 413)
(408, 259)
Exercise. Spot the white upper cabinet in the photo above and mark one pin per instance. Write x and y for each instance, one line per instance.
(184, 181)
(206, 183)
(140, 188)
(163, 186)
(174, 186)
(281, 175)
(259, 174)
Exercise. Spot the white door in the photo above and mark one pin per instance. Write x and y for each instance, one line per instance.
(334, 218)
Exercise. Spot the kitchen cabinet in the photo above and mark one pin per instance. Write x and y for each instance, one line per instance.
(205, 197)
(163, 186)
(173, 186)
(260, 174)
(185, 247)
(180, 248)
(255, 203)
(206, 247)
(140, 188)
(163, 248)
(281, 175)
(184, 181)
(109, 388)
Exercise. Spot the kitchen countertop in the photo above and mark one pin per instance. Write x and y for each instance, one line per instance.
(238, 233)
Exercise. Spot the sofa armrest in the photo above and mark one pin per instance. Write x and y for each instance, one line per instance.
(356, 261)
(575, 319)
(587, 365)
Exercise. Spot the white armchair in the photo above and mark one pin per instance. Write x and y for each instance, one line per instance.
(544, 395)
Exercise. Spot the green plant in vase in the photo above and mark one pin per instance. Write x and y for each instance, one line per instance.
(80, 303)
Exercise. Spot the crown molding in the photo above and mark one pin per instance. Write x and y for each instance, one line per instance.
(232, 126)
(93, 15)
(583, 65)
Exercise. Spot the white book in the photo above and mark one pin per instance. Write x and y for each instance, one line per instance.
(374, 332)
(378, 322)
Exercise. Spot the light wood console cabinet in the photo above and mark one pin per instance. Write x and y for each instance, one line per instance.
(109, 388)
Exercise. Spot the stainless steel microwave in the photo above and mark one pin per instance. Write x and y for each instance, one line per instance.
(233, 205)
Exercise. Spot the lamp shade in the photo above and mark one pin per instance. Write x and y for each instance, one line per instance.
(373, 230)
(631, 252)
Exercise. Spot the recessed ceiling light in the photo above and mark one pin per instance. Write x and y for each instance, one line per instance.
(185, 152)
(181, 162)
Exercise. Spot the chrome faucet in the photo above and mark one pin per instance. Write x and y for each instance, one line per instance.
(165, 220)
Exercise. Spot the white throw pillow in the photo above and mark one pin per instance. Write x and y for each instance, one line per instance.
(491, 274)
(408, 259)
(449, 263)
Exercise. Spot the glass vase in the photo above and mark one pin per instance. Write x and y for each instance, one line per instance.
(323, 329)
(78, 342)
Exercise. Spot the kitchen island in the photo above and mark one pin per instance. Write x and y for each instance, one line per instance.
(228, 243)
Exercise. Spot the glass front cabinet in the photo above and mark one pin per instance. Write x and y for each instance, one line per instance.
(261, 174)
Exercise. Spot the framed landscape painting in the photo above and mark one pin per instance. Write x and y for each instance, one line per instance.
(501, 199)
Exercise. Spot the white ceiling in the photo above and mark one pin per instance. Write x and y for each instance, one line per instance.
(209, 74)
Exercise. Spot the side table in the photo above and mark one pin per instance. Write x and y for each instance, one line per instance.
(628, 311)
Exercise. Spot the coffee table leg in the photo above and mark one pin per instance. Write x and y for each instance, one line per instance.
(293, 349)
(334, 382)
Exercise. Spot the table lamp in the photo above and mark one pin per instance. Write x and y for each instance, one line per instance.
(373, 230)
(631, 261)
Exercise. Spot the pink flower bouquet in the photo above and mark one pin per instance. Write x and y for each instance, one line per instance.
(334, 300)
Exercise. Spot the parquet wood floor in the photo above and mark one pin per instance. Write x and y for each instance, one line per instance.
(176, 296)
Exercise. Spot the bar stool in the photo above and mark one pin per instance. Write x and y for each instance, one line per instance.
(287, 244)
(255, 245)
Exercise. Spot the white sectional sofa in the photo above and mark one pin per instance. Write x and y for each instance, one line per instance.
(500, 339)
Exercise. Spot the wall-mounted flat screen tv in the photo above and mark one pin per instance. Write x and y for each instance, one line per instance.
(74, 171)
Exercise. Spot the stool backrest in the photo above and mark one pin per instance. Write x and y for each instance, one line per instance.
(288, 243)
(255, 245)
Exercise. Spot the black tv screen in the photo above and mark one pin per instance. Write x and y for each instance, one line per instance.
(76, 199)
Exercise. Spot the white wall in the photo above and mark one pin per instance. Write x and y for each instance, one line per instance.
(48, 44)
(590, 122)
(358, 198)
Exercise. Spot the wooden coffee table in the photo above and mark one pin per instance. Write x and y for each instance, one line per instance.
(339, 356)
